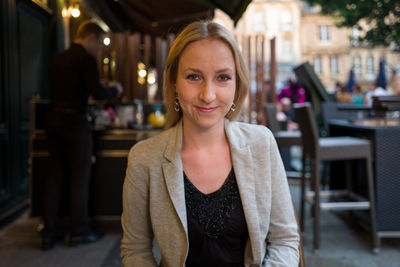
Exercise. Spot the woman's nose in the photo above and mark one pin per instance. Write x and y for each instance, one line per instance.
(207, 93)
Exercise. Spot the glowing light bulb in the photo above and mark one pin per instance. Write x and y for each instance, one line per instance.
(142, 73)
(65, 13)
(141, 80)
(75, 12)
(151, 79)
(107, 41)
(106, 60)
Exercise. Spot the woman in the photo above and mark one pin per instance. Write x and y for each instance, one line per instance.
(358, 96)
(293, 91)
(209, 191)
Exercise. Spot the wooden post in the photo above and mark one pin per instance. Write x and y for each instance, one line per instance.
(262, 99)
(250, 71)
(120, 43)
(161, 57)
(258, 73)
(260, 96)
(100, 65)
(272, 72)
(127, 79)
(133, 59)
(146, 60)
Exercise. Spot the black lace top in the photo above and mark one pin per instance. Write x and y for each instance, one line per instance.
(216, 225)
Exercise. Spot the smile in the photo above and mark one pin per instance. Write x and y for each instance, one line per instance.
(206, 109)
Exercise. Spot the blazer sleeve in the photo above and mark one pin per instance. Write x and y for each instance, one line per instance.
(283, 238)
(136, 244)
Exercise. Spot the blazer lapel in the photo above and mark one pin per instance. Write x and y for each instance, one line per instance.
(173, 174)
(243, 166)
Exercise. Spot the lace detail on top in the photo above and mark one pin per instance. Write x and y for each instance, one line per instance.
(213, 210)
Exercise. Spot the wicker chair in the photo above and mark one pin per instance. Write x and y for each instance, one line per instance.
(317, 149)
(283, 138)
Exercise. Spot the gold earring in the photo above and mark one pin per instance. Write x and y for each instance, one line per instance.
(233, 107)
(177, 107)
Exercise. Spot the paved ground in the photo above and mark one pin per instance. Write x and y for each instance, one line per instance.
(345, 243)
(342, 244)
(20, 243)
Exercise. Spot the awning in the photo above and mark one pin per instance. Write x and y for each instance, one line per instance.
(160, 17)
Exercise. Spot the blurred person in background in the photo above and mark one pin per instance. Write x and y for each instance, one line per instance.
(293, 91)
(286, 113)
(73, 77)
(358, 96)
(375, 90)
(343, 96)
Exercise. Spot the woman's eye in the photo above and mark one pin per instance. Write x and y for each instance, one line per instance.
(224, 77)
(193, 77)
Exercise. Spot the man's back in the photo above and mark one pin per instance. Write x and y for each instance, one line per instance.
(73, 77)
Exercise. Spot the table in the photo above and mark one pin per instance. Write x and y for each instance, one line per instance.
(386, 162)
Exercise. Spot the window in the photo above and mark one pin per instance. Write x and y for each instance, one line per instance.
(370, 72)
(324, 33)
(287, 49)
(334, 64)
(286, 20)
(370, 65)
(318, 64)
(357, 66)
(258, 21)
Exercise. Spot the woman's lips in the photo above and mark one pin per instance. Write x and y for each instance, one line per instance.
(206, 109)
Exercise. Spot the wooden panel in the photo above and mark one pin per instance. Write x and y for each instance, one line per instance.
(147, 55)
(32, 37)
(2, 76)
(161, 57)
(134, 56)
(3, 127)
(126, 52)
(24, 53)
(33, 49)
(3, 170)
(120, 43)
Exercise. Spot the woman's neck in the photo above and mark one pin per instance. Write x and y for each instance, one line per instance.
(203, 139)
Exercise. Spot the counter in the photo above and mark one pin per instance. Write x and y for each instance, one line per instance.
(111, 149)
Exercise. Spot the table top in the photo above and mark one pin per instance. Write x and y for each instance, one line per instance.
(366, 123)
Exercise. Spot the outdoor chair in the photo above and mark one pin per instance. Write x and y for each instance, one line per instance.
(283, 138)
(317, 149)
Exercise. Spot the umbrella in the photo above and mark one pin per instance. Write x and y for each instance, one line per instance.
(381, 79)
(351, 82)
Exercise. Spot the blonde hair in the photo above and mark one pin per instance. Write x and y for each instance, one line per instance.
(193, 32)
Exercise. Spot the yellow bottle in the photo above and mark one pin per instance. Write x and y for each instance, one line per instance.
(156, 117)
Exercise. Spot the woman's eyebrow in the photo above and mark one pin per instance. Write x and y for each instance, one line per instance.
(225, 70)
(192, 69)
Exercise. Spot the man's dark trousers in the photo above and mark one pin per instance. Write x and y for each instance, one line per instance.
(70, 148)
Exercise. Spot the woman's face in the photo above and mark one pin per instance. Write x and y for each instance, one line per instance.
(206, 83)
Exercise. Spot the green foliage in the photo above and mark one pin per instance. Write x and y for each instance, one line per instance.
(381, 16)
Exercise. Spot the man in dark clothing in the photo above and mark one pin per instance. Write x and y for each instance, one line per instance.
(73, 77)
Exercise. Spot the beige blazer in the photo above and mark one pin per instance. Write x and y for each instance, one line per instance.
(154, 199)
